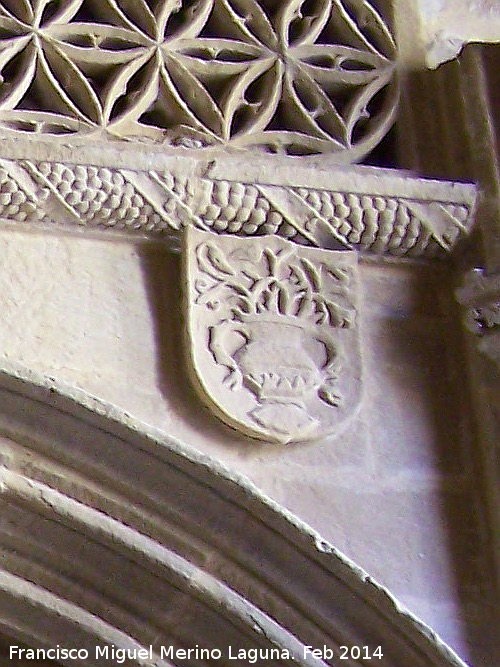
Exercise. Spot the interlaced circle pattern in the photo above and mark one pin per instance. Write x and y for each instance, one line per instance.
(297, 77)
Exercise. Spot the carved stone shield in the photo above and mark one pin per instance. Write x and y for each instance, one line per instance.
(272, 334)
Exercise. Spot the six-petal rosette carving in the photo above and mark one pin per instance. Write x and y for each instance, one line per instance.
(297, 77)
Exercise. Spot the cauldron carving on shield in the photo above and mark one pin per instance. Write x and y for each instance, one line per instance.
(275, 325)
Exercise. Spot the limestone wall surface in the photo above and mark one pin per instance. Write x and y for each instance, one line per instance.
(398, 488)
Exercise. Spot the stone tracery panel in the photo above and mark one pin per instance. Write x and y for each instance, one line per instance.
(300, 77)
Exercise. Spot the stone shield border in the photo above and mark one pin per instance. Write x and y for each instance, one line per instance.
(272, 334)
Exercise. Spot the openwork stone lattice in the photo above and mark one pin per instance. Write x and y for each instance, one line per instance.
(300, 77)
(376, 213)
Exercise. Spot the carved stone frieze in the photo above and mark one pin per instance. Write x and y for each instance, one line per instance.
(480, 296)
(273, 334)
(368, 209)
(292, 77)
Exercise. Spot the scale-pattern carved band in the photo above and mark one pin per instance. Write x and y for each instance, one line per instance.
(297, 77)
(370, 210)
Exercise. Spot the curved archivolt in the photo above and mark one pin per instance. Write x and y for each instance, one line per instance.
(113, 536)
(297, 77)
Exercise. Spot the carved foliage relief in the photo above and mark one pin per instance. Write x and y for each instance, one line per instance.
(273, 334)
(299, 76)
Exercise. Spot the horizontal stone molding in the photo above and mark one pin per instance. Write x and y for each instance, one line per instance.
(381, 212)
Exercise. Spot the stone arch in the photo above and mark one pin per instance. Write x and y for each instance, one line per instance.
(112, 533)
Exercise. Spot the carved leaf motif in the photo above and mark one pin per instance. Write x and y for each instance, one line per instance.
(189, 18)
(120, 87)
(365, 26)
(209, 57)
(137, 15)
(192, 95)
(317, 111)
(21, 11)
(280, 285)
(255, 98)
(10, 27)
(63, 12)
(335, 65)
(77, 93)
(212, 262)
(329, 395)
(358, 108)
(98, 45)
(13, 92)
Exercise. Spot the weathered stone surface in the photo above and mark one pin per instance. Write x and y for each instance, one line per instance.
(87, 517)
(431, 32)
(450, 24)
(107, 316)
(480, 296)
(147, 558)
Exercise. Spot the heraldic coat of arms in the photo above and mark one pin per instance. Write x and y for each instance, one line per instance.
(272, 334)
